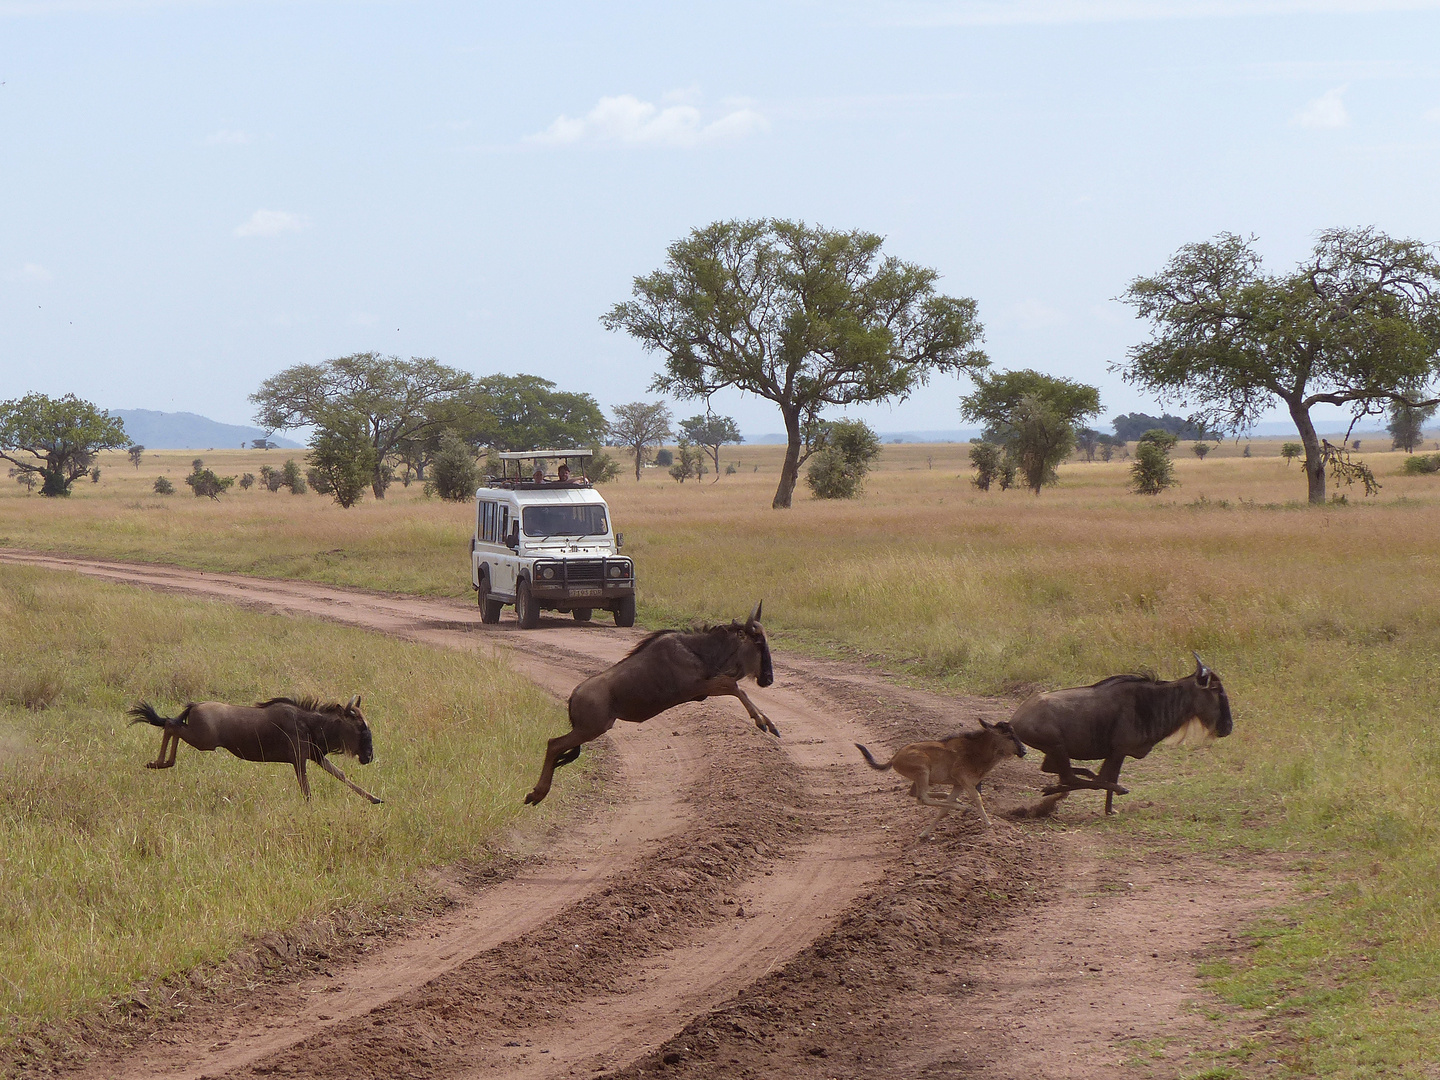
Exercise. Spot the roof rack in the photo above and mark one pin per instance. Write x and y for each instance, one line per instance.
(522, 455)
(523, 479)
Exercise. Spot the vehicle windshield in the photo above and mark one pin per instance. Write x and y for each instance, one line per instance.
(566, 520)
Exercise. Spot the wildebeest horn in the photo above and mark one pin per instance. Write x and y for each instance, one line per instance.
(354, 702)
(755, 615)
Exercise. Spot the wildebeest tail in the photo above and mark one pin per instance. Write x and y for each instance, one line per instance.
(145, 711)
(871, 761)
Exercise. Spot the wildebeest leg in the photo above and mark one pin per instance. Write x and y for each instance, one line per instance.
(1067, 773)
(168, 741)
(159, 762)
(333, 770)
(723, 687)
(973, 794)
(561, 750)
(1110, 776)
(300, 775)
(921, 790)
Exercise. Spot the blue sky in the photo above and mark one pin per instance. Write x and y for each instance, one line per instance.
(198, 195)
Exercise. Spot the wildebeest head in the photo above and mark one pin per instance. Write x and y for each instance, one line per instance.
(1211, 704)
(755, 650)
(1004, 728)
(357, 734)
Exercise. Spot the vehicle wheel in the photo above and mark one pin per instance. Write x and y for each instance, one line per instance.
(625, 612)
(582, 614)
(489, 609)
(526, 607)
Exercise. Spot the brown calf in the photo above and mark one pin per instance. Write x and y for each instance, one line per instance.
(961, 761)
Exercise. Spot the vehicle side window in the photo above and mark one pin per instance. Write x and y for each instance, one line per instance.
(504, 531)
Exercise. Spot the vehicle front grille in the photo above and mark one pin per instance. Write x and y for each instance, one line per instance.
(583, 572)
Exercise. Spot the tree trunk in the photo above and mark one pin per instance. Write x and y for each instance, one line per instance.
(790, 471)
(639, 458)
(1314, 466)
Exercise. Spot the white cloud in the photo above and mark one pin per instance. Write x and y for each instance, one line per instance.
(228, 138)
(272, 223)
(1326, 111)
(1013, 12)
(31, 272)
(628, 121)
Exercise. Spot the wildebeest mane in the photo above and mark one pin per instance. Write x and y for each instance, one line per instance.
(717, 646)
(648, 640)
(304, 704)
(1130, 677)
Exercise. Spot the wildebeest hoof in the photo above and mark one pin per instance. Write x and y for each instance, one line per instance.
(1121, 790)
(533, 799)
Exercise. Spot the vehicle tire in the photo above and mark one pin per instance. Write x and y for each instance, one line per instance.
(489, 609)
(526, 607)
(582, 614)
(625, 612)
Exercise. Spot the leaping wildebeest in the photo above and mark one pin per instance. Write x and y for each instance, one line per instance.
(961, 761)
(1119, 717)
(280, 729)
(667, 668)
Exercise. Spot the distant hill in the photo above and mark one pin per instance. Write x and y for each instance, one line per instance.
(187, 431)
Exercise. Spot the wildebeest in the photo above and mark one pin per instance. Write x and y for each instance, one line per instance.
(280, 729)
(666, 669)
(961, 761)
(1119, 717)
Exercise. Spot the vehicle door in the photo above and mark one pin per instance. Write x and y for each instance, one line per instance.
(505, 559)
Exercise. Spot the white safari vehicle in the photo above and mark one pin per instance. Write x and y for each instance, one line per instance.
(544, 543)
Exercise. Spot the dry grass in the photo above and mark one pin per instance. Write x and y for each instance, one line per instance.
(113, 873)
(1324, 623)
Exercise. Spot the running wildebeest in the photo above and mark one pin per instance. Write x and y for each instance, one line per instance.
(961, 761)
(280, 729)
(1119, 717)
(668, 668)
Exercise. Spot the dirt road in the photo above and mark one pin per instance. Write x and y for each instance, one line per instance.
(733, 906)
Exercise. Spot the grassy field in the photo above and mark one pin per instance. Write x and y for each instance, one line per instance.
(1324, 623)
(114, 874)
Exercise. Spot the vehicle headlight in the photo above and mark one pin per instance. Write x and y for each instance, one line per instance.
(548, 573)
(617, 570)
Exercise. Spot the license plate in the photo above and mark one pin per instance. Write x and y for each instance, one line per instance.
(585, 592)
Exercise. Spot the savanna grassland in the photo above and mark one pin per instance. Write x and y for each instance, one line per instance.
(1324, 623)
(114, 875)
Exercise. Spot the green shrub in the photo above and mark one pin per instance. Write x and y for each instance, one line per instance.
(847, 450)
(1421, 464)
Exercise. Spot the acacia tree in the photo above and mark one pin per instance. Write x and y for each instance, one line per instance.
(1356, 324)
(1032, 416)
(58, 438)
(396, 399)
(805, 317)
(711, 432)
(639, 426)
(1407, 426)
(526, 412)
